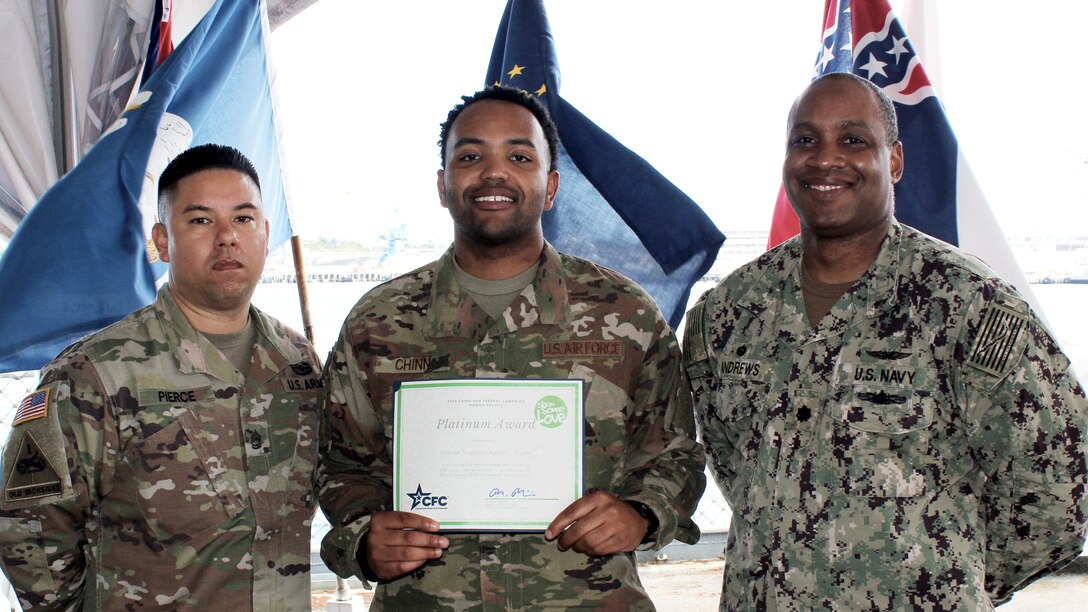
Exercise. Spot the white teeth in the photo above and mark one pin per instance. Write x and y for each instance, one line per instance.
(494, 199)
(825, 187)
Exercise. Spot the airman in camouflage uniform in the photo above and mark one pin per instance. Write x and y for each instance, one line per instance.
(919, 443)
(568, 319)
(149, 471)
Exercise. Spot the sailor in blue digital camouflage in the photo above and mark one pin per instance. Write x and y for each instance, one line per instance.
(167, 462)
(504, 303)
(891, 424)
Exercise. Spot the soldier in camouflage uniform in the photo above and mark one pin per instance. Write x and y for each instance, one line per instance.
(892, 425)
(548, 316)
(167, 461)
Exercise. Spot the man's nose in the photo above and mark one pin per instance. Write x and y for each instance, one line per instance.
(226, 235)
(494, 169)
(827, 155)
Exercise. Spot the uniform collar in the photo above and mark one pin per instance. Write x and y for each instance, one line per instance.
(882, 279)
(194, 353)
(453, 313)
(778, 275)
(771, 290)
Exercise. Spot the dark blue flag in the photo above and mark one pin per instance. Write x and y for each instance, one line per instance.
(612, 207)
(80, 259)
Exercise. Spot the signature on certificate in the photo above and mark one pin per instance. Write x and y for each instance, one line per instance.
(515, 492)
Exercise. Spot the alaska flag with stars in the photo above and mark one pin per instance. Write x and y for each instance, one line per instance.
(80, 260)
(865, 38)
(612, 208)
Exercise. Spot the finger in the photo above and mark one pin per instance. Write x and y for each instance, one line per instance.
(403, 552)
(403, 520)
(394, 569)
(402, 538)
(597, 544)
(572, 513)
(381, 553)
(584, 528)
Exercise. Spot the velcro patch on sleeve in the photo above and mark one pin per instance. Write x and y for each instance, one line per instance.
(34, 406)
(997, 339)
(31, 475)
(694, 338)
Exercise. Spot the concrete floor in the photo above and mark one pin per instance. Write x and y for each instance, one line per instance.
(695, 586)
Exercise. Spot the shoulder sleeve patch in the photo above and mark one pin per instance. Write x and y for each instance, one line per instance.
(34, 468)
(997, 339)
(694, 337)
(31, 475)
(33, 406)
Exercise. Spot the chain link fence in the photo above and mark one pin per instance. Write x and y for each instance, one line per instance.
(13, 388)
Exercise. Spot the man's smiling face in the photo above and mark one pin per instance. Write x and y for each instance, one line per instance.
(840, 168)
(496, 183)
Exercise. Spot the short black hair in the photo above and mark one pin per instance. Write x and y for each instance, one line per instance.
(887, 108)
(504, 94)
(197, 159)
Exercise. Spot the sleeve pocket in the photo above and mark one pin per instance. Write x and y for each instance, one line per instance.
(22, 548)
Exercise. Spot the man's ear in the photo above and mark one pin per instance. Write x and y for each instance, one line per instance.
(442, 188)
(162, 241)
(553, 188)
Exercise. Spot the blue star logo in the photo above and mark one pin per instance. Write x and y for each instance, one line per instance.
(418, 496)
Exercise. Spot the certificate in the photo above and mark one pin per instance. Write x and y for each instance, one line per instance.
(487, 454)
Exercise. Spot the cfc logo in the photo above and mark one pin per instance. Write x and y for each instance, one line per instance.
(426, 500)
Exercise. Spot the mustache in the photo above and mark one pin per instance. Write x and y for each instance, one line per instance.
(493, 190)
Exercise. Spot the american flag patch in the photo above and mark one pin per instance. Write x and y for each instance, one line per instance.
(1001, 328)
(32, 407)
(694, 341)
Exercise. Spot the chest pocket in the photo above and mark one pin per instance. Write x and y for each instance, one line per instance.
(605, 428)
(293, 422)
(734, 403)
(184, 486)
(731, 400)
(885, 413)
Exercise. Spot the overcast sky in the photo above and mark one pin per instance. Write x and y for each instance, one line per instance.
(699, 89)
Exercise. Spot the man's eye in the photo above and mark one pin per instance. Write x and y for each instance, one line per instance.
(244, 219)
(855, 140)
(521, 159)
(468, 157)
(199, 220)
(803, 140)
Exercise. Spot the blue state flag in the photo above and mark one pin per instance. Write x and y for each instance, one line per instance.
(612, 207)
(81, 259)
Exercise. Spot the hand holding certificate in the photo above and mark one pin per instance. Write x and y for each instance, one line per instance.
(488, 454)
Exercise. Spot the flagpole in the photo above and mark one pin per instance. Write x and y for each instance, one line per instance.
(64, 115)
(343, 593)
(303, 294)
